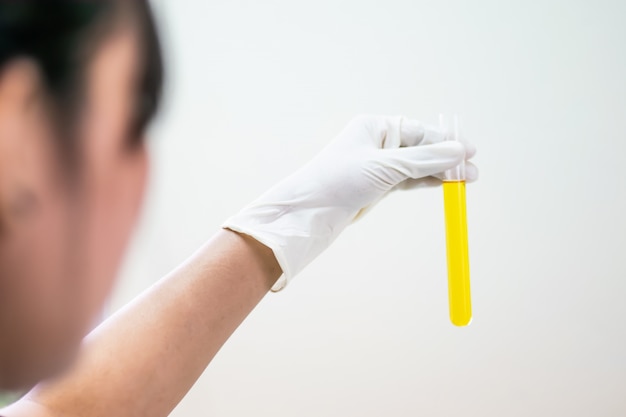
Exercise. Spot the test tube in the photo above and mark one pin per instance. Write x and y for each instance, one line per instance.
(456, 236)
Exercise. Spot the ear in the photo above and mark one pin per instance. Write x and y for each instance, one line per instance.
(22, 133)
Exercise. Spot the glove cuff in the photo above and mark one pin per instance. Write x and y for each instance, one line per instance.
(295, 234)
(274, 246)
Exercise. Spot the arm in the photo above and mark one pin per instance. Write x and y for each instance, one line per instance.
(189, 315)
(186, 318)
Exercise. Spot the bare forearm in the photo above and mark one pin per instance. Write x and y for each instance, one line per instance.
(145, 358)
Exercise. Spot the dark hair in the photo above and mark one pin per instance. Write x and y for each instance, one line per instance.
(59, 36)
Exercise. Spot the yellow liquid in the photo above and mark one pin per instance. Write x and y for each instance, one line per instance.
(458, 253)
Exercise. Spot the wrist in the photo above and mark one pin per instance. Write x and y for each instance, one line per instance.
(261, 256)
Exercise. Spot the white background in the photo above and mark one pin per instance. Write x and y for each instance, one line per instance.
(256, 88)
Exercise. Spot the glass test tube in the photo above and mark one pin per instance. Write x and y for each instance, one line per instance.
(456, 237)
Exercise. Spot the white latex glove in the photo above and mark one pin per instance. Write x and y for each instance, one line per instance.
(302, 215)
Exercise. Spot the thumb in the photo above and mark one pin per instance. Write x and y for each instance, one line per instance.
(425, 160)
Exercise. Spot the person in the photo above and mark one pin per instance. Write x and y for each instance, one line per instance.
(79, 83)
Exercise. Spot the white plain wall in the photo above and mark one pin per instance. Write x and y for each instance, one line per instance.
(257, 88)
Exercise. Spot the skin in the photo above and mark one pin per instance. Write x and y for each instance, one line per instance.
(61, 247)
(61, 243)
(188, 315)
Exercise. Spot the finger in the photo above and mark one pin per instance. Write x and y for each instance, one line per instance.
(424, 161)
(412, 184)
(392, 131)
(414, 132)
(471, 175)
(470, 149)
(471, 172)
(384, 131)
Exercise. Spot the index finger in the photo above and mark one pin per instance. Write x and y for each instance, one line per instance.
(414, 133)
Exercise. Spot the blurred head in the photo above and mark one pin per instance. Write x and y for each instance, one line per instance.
(79, 81)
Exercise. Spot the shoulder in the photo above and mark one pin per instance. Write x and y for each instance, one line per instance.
(25, 408)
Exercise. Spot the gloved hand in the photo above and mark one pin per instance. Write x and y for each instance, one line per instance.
(302, 215)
